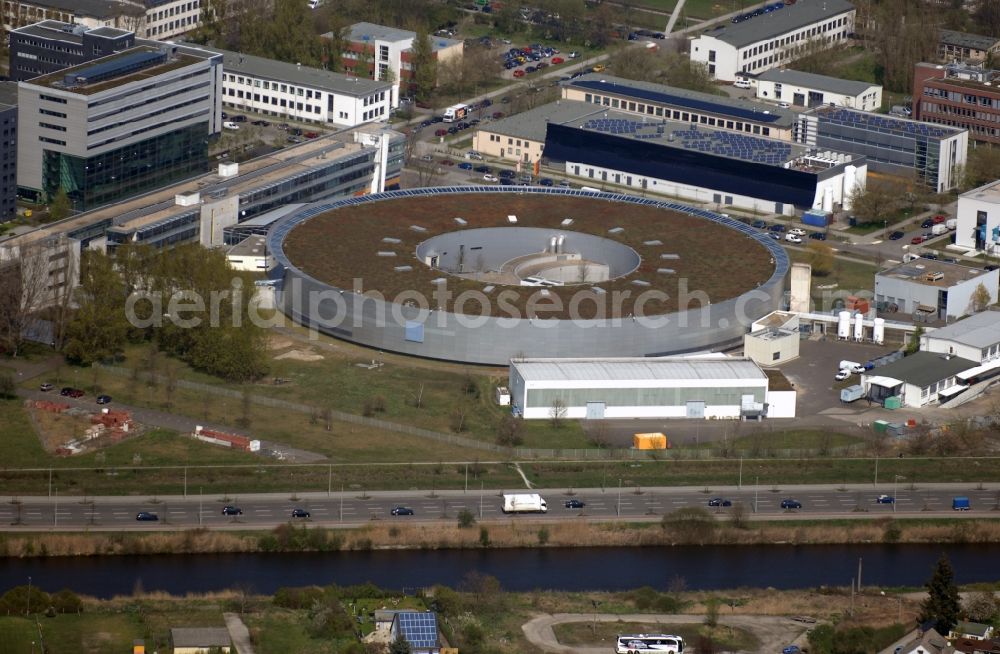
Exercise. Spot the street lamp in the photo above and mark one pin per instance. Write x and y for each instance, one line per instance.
(895, 485)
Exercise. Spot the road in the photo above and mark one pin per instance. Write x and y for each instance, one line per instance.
(351, 508)
(773, 632)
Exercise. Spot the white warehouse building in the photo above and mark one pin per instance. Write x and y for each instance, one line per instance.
(803, 89)
(976, 338)
(774, 38)
(978, 218)
(714, 386)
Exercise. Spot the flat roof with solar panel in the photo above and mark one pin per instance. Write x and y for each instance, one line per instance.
(121, 68)
(883, 123)
(722, 143)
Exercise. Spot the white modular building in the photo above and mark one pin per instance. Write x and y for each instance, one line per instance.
(300, 93)
(803, 89)
(976, 338)
(773, 38)
(667, 387)
(978, 219)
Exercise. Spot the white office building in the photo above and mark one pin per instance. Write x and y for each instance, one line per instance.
(932, 288)
(803, 89)
(300, 93)
(774, 38)
(978, 219)
(669, 387)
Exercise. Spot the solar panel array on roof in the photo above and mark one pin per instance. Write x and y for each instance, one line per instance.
(736, 146)
(419, 629)
(679, 101)
(129, 63)
(885, 123)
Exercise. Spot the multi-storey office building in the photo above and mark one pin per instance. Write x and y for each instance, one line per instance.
(774, 38)
(51, 45)
(8, 151)
(118, 126)
(931, 154)
(154, 19)
(301, 93)
(958, 95)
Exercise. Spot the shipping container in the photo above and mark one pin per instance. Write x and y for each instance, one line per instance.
(852, 393)
(893, 403)
(880, 425)
(816, 218)
(651, 441)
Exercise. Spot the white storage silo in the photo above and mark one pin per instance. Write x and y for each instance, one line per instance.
(859, 326)
(844, 325)
(878, 333)
(850, 183)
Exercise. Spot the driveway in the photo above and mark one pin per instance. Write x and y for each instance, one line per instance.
(773, 632)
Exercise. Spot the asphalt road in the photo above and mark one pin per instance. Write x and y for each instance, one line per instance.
(262, 511)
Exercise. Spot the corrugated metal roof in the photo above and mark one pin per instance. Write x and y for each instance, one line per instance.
(777, 23)
(637, 369)
(981, 330)
(814, 81)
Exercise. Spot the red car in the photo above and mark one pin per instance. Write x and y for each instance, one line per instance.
(940, 218)
(311, 135)
(497, 115)
(917, 240)
(447, 162)
(518, 73)
(441, 132)
(557, 60)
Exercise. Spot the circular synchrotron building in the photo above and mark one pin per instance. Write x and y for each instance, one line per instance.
(487, 274)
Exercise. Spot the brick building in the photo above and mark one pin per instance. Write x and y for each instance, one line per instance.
(958, 95)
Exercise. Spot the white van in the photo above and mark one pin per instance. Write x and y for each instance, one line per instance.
(742, 84)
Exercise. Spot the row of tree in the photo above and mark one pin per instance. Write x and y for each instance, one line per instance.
(139, 294)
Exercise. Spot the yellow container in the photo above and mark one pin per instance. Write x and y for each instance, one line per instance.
(653, 441)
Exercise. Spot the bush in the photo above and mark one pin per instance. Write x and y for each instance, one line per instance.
(484, 536)
(66, 601)
(644, 597)
(690, 525)
(466, 519)
(543, 536)
(892, 532)
(297, 598)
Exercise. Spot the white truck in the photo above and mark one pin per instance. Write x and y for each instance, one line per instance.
(524, 503)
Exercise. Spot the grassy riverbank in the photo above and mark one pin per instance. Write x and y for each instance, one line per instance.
(675, 530)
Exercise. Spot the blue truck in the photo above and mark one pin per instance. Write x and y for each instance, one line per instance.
(960, 503)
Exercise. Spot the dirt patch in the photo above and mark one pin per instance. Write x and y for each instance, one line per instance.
(300, 355)
(280, 343)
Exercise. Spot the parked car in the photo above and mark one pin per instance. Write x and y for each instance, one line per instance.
(798, 231)
(229, 509)
(791, 649)
(545, 181)
(472, 154)
(917, 240)
(71, 392)
(401, 510)
(719, 501)
(465, 165)
(45, 388)
(818, 236)
(599, 68)
(789, 503)
(885, 499)
(311, 135)
(777, 227)
(440, 132)
(574, 504)
(261, 123)
(447, 162)
(104, 399)
(927, 224)
(528, 69)
(497, 115)
(301, 513)
(759, 224)
(565, 183)
(146, 516)
(896, 235)
(939, 219)
(506, 174)
(784, 105)
(453, 129)
(518, 73)
(239, 119)
(489, 178)
(793, 238)
(230, 125)
(573, 55)
(557, 60)
(842, 375)
(482, 169)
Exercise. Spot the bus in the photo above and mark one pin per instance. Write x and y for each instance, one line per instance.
(455, 112)
(638, 643)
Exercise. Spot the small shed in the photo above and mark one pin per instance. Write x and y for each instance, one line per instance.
(772, 346)
(200, 640)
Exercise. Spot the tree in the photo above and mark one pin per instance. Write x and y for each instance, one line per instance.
(821, 258)
(8, 388)
(981, 607)
(466, 519)
(60, 205)
(981, 298)
(24, 288)
(100, 327)
(509, 431)
(876, 201)
(557, 412)
(399, 645)
(982, 165)
(942, 605)
(738, 516)
(424, 66)
(913, 345)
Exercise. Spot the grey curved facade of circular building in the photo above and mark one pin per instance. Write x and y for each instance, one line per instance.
(416, 330)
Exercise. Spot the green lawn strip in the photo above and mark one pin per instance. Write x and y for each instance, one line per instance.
(793, 439)
(281, 631)
(87, 633)
(849, 276)
(606, 633)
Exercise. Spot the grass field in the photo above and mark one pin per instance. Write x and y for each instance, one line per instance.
(848, 277)
(606, 633)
